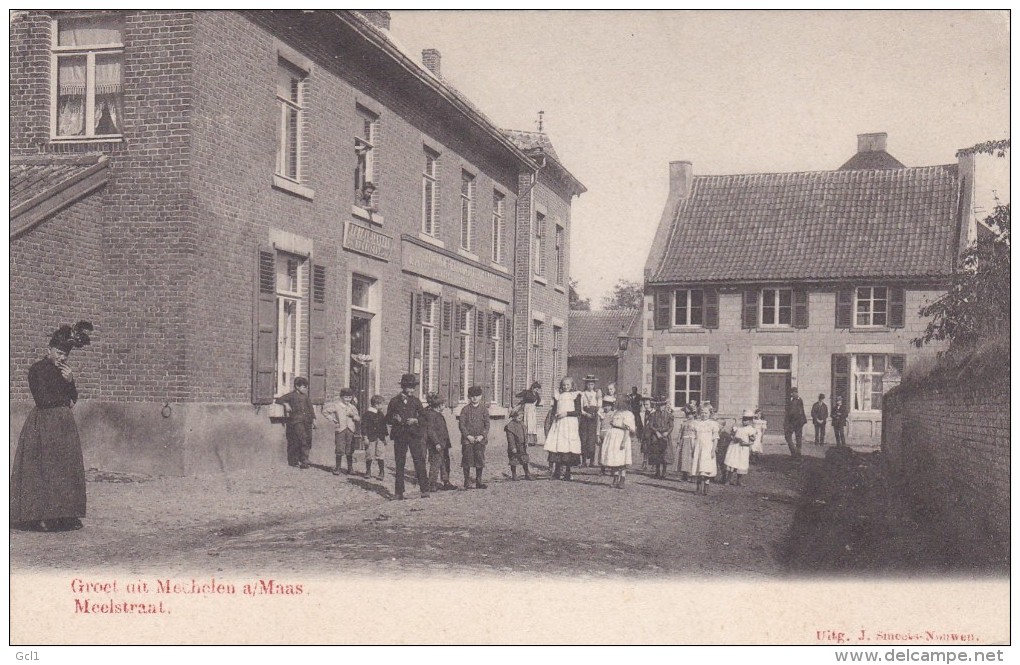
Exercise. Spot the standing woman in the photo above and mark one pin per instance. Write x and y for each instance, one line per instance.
(562, 441)
(616, 446)
(706, 437)
(685, 456)
(48, 479)
(531, 399)
(588, 426)
(636, 405)
(760, 425)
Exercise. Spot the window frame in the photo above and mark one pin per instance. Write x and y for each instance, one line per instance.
(497, 335)
(674, 373)
(89, 52)
(561, 254)
(777, 307)
(364, 150)
(498, 225)
(870, 372)
(285, 104)
(689, 308)
(430, 184)
(539, 244)
(467, 211)
(297, 298)
(537, 340)
(430, 328)
(557, 350)
(465, 336)
(871, 312)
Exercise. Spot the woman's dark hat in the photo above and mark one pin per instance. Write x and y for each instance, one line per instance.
(536, 385)
(67, 338)
(408, 381)
(435, 399)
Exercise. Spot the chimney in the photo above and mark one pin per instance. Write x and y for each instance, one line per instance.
(871, 142)
(431, 58)
(377, 17)
(681, 177)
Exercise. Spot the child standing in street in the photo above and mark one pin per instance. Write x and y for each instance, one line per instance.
(437, 443)
(300, 416)
(517, 443)
(344, 416)
(373, 427)
(738, 455)
(706, 437)
(474, 434)
(660, 424)
(760, 425)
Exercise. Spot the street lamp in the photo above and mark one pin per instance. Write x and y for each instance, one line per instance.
(622, 340)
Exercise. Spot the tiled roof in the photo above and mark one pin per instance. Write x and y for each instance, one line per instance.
(872, 159)
(38, 174)
(594, 333)
(825, 225)
(529, 141)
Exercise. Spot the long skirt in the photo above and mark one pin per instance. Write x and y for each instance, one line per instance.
(738, 458)
(48, 479)
(703, 462)
(685, 456)
(531, 422)
(657, 449)
(563, 442)
(616, 452)
(588, 430)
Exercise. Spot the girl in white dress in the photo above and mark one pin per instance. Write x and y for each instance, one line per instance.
(738, 455)
(562, 441)
(760, 425)
(706, 438)
(616, 446)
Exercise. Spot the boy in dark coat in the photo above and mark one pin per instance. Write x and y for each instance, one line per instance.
(474, 434)
(373, 428)
(437, 443)
(300, 421)
(840, 413)
(517, 443)
(819, 414)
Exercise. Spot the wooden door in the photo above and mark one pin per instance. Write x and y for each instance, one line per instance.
(361, 344)
(772, 390)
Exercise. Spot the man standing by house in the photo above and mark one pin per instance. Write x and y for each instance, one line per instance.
(404, 415)
(819, 414)
(793, 423)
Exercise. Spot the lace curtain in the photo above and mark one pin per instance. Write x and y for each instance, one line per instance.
(72, 77)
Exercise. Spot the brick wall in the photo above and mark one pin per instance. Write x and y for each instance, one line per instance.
(948, 443)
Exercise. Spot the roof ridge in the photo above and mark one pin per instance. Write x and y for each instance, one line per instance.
(835, 172)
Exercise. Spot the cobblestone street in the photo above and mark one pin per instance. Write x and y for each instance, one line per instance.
(294, 521)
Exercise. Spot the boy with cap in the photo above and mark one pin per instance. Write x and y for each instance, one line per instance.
(660, 425)
(300, 420)
(474, 434)
(404, 416)
(517, 443)
(373, 428)
(344, 416)
(840, 413)
(819, 414)
(437, 443)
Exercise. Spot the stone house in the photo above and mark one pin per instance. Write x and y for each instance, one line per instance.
(237, 198)
(595, 347)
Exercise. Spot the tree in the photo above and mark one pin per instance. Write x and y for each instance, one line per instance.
(577, 303)
(626, 295)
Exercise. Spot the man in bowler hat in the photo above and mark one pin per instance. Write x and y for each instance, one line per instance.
(405, 416)
(793, 423)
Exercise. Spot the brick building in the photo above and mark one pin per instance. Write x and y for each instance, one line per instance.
(595, 347)
(760, 282)
(239, 198)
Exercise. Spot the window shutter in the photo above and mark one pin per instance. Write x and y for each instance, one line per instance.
(414, 358)
(841, 377)
(899, 362)
(660, 377)
(663, 308)
(711, 309)
(446, 314)
(800, 308)
(508, 356)
(711, 380)
(749, 320)
(844, 310)
(317, 351)
(263, 366)
(456, 369)
(481, 347)
(897, 306)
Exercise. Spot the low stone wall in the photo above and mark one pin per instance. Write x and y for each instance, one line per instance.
(946, 440)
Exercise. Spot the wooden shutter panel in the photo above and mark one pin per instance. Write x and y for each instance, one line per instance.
(844, 308)
(800, 308)
(481, 347)
(841, 377)
(711, 309)
(749, 313)
(660, 376)
(446, 314)
(899, 362)
(317, 351)
(263, 366)
(663, 308)
(897, 307)
(414, 349)
(456, 370)
(711, 380)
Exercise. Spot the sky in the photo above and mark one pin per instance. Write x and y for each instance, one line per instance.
(626, 92)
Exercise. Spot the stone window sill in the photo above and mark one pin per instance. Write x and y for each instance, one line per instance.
(467, 254)
(367, 215)
(291, 187)
(560, 288)
(499, 266)
(432, 240)
(541, 280)
(876, 329)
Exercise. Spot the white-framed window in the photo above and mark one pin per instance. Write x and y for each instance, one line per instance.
(429, 343)
(871, 306)
(557, 351)
(465, 337)
(776, 363)
(498, 225)
(538, 245)
(290, 96)
(87, 60)
(365, 183)
(467, 211)
(289, 316)
(776, 307)
(497, 333)
(867, 390)
(688, 307)
(430, 194)
(537, 339)
(687, 379)
(561, 255)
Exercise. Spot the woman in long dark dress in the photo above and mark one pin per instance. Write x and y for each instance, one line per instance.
(48, 479)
